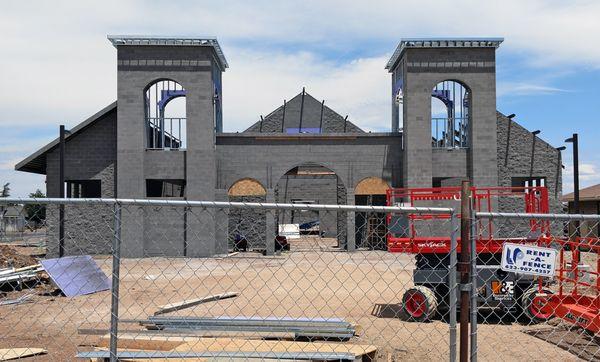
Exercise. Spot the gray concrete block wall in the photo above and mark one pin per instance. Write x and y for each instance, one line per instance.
(247, 223)
(517, 163)
(424, 68)
(164, 231)
(322, 189)
(268, 158)
(89, 155)
(546, 160)
(192, 67)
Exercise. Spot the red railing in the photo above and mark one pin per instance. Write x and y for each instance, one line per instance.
(577, 301)
(485, 199)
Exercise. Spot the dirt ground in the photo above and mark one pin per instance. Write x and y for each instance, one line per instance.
(312, 280)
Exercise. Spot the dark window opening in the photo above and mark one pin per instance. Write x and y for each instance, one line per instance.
(528, 181)
(165, 188)
(84, 189)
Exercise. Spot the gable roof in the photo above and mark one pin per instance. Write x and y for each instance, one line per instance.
(36, 162)
(591, 193)
(312, 122)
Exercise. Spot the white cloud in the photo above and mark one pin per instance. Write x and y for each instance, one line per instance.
(526, 89)
(259, 84)
(589, 174)
(60, 68)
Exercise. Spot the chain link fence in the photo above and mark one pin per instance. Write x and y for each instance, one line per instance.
(217, 280)
(560, 306)
(156, 279)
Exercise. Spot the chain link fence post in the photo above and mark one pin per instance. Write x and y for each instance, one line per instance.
(474, 293)
(116, 262)
(453, 284)
(465, 266)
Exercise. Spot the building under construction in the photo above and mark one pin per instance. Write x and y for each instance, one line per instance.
(163, 138)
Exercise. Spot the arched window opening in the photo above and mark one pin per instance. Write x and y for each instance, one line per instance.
(450, 114)
(165, 112)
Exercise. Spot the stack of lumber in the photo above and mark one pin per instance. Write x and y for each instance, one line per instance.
(299, 327)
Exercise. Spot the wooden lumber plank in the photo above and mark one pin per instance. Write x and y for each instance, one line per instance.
(234, 344)
(196, 344)
(8, 354)
(167, 308)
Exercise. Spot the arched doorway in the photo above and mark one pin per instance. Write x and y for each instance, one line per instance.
(246, 227)
(371, 228)
(450, 115)
(311, 183)
(165, 115)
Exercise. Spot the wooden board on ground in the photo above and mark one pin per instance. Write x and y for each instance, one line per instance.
(18, 353)
(193, 302)
(195, 344)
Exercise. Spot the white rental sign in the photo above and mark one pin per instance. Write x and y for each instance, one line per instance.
(528, 259)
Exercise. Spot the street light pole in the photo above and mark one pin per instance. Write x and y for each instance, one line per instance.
(61, 193)
(558, 168)
(575, 141)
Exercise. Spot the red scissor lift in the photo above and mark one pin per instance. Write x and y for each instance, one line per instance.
(497, 288)
(577, 299)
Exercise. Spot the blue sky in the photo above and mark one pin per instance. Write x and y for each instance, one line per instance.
(58, 66)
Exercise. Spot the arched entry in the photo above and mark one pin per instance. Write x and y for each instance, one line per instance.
(450, 115)
(371, 228)
(311, 183)
(165, 114)
(246, 227)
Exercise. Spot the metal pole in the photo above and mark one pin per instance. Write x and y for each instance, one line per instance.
(474, 293)
(116, 261)
(463, 268)
(576, 209)
(321, 119)
(301, 111)
(453, 286)
(576, 172)
(533, 142)
(283, 118)
(508, 139)
(61, 194)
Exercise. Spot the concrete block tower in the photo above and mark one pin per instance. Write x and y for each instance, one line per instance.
(169, 110)
(461, 74)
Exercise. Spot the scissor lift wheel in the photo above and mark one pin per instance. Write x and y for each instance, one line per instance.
(420, 303)
(535, 305)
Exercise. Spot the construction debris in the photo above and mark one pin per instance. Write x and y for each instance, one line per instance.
(299, 327)
(10, 258)
(193, 302)
(76, 275)
(20, 275)
(18, 353)
(22, 299)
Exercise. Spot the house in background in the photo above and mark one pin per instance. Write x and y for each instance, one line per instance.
(12, 219)
(589, 203)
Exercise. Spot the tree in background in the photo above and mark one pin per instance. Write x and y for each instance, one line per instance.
(35, 213)
(5, 190)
